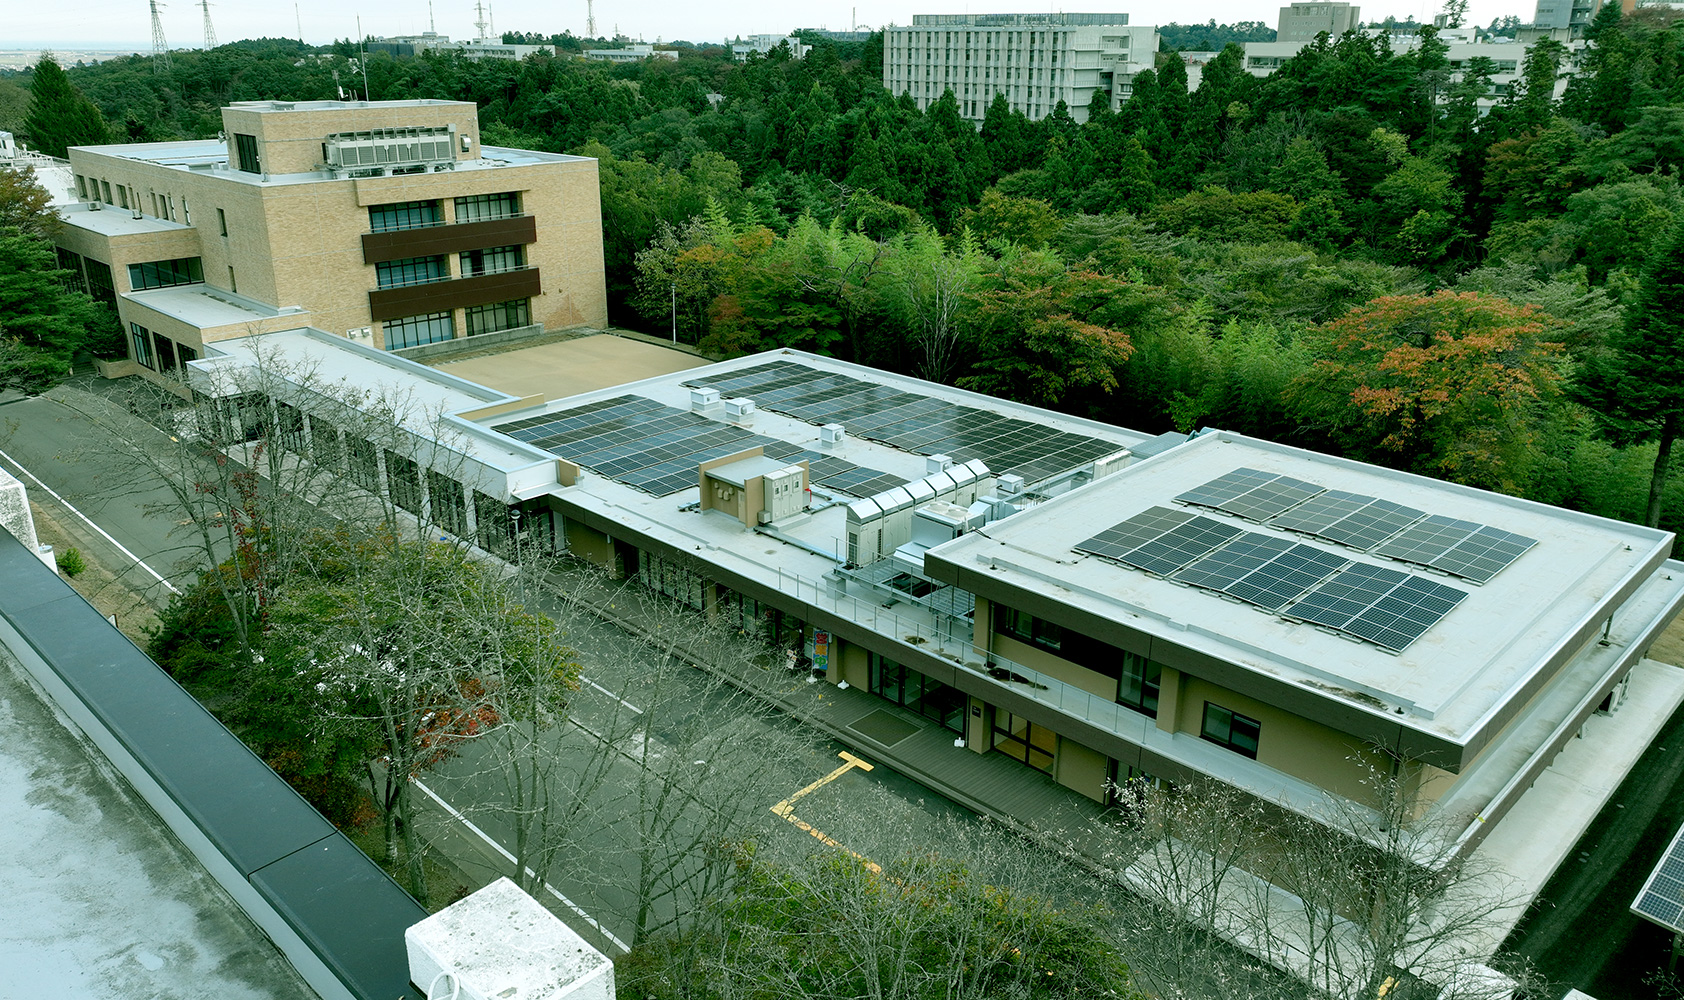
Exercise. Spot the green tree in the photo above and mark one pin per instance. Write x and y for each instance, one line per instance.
(1636, 382)
(1027, 222)
(59, 116)
(1215, 213)
(1448, 385)
(40, 312)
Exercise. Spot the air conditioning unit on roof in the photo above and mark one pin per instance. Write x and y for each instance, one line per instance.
(832, 435)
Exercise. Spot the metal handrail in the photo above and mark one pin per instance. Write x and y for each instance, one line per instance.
(442, 222)
(411, 283)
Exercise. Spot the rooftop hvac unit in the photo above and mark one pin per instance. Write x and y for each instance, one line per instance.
(1111, 463)
(364, 149)
(739, 411)
(1010, 486)
(936, 463)
(832, 435)
(704, 399)
(784, 494)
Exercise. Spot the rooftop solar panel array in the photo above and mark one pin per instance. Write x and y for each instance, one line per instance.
(1662, 897)
(1159, 540)
(910, 421)
(656, 448)
(1467, 549)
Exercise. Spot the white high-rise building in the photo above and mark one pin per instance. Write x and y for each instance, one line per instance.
(1035, 60)
(1302, 22)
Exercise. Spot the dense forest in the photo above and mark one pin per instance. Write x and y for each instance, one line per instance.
(1352, 254)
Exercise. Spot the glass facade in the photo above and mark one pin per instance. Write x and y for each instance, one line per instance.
(677, 581)
(499, 316)
(245, 154)
(140, 341)
(492, 260)
(413, 331)
(325, 445)
(1022, 740)
(484, 207)
(449, 508)
(411, 271)
(165, 273)
(404, 215)
(925, 695)
(363, 463)
(403, 480)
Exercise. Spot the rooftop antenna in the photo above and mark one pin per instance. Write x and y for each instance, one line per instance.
(160, 48)
(432, 29)
(479, 23)
(300, 22)
(590, 18)
(362, 47)
(210, 32)
(493, 15)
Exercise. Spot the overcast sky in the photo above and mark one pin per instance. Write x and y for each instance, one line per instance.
(66, 23)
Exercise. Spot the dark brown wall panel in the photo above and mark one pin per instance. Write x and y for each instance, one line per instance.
(402, 243)
(456, 293)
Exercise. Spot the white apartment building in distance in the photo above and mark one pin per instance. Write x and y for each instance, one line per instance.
(1302, 22)
(1035, 60)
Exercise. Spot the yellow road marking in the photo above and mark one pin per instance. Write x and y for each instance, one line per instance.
(786, 808)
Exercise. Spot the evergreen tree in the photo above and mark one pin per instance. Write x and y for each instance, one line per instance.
(1636, 382)
(59, 115)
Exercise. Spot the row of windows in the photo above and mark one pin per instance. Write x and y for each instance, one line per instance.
(413, 331)
(492, 260)
(422, 214)
(158, 352)
(498, 316)
(122, 196)
(89, 275)
(411, 271)
(165, 273)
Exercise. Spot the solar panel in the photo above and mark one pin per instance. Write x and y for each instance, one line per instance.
(1232, 562)
(1372, 525)
(1483, 554)
(912, 422)
(1126, 536)
(1400, 617)
(1180, 545)
(1346, 595)
(1286, 577)
(1661, 899)
(1427, 539)
(1317, 513)
(1226, 487)
(1271, 498)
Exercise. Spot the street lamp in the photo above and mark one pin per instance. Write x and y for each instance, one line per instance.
(675, 314)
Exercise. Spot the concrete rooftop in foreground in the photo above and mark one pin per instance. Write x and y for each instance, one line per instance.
(101, 899)
(1447, 681)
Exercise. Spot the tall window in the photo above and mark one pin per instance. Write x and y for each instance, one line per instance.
(245, 154)
(222, 221)
(1232, 730)
(493, 260)
(1138, 686)
(1025, 627)
(324, 443)
(413, 331)
(362, 462)
(166, 353)
(289, 424)
(450, 511)
(141, 339)
(164, 273)
(403, 479)
(71, 262)
(1020, 739)
(481, 208)
(924, 695)
(491, 516)
(411, 271)
(499, 316)
(404, 215)
(100, 285)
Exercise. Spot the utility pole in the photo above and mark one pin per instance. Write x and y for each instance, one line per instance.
(675, 314)
(210, 32)
(362, 50)
(160, 48)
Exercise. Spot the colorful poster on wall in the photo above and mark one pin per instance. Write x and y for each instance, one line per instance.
(821, 650)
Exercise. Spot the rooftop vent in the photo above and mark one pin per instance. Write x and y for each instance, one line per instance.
(703, 400)
(740, 410)
(832, 435)
(1009, 486)
(936, 463)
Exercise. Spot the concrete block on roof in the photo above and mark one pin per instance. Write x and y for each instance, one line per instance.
(501, 943)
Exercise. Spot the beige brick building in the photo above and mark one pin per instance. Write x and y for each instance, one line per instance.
(385, 222)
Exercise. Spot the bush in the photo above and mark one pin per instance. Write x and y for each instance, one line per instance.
(71, 564)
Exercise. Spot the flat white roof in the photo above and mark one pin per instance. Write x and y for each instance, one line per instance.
(210, 157)
(203, 306)
(423, 396)
(1460, 669)
(108, 220)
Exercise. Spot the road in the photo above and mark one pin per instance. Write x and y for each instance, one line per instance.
(52, 447)
(1580, 932)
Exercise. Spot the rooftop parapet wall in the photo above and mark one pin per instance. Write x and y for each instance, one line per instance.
(290, 134)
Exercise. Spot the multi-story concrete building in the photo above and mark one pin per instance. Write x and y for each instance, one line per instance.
(1573, 15)
(1302, 22)
(1094, 603)
(1035, 60)
(742, 48)
(630, 53)
(385, 222)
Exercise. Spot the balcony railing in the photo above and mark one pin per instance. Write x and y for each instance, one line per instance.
(430, 295)
(436, 223)
(450, 237)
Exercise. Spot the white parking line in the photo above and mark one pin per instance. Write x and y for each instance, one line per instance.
(457, 815)
(599, 687)
(103, 533)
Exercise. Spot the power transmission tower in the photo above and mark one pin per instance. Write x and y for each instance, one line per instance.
(160, 48)
(590, 18)
(479, 12)
(210, 32)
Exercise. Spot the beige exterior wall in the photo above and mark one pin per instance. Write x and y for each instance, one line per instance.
(855, 666)
(299, 243)
(588, 543)
(290, 142)
(1080, 769)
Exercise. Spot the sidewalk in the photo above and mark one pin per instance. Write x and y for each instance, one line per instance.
(988, 784)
